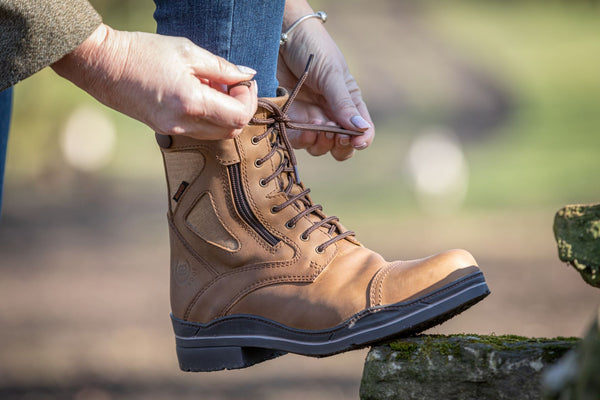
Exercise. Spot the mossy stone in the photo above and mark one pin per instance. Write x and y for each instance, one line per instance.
(577, 233)
(464, 367)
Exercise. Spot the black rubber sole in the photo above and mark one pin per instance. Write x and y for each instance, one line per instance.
(239, 341)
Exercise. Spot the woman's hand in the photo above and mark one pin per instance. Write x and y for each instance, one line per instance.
(329, 96)
(168, 83)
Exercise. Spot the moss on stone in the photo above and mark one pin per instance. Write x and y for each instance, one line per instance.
(404, 349)
(502, 341)
(442, 345)
(593, 229)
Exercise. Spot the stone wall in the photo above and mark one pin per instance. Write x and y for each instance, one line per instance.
(466, 367)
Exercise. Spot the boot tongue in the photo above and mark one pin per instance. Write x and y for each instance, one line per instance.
(280, 100)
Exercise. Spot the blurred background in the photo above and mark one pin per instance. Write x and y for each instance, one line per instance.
(487, 116)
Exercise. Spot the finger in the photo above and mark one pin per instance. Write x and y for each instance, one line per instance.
(247, 96)
(202, 130)
(342, 150)
(322, 145)
(209, 66)
(306, 139)
(307, 113)
(342, 154)
(223, 109)
(347, 108)
(221, 87)
(341, 103)
(302, 139)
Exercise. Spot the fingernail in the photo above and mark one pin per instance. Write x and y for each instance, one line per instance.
(246, 70)
(361, 146)
(329, 135)
(360, 122)
(344, 140)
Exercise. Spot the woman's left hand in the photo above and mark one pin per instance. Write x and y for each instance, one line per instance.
(330, 94)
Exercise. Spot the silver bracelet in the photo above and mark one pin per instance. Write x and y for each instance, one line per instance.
(285, 35)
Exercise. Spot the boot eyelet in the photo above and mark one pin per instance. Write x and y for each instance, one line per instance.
(258, 163)
(274, 210)
(290, 226)
(320, 250)
(304, 237)
(254, 140)
(262, 183)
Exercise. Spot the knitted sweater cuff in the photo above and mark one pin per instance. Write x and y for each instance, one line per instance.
(37, 33)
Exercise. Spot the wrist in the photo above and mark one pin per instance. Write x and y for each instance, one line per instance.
(94, 44)
(95, 60)
(295, 9)
(301, 25)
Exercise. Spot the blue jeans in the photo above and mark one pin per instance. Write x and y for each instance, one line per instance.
(244, 32)
(5, 111)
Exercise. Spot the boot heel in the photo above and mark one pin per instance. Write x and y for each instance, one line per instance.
(201, 359)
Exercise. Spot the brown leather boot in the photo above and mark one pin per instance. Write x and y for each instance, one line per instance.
(258, 270)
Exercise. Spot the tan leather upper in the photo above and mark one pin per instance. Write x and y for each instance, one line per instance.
(220, 265)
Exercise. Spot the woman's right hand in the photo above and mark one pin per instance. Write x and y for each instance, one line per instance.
(168, 83)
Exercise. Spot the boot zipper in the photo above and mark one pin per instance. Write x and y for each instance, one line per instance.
(243, 208)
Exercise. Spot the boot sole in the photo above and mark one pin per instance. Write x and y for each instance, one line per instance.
(239, 341)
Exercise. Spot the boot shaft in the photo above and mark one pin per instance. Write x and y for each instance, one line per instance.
(227, 233)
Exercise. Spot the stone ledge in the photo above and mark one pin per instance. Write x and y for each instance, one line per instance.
(466, 367)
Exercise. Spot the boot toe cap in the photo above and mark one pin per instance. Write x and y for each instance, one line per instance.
(409, 280)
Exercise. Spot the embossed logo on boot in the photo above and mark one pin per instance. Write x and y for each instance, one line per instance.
(183, 274)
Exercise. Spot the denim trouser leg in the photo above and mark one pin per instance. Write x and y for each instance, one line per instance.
(5, 111)
(244, 32)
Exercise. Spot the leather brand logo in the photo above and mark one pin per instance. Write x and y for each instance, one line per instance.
(182, 273)
(180, 191)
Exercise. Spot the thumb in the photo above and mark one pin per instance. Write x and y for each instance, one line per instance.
(342, 106)
(347, 108)
(214, 68)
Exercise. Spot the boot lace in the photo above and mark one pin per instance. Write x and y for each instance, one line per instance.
(286, 172)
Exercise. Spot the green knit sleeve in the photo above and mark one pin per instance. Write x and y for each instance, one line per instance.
(36, 33)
